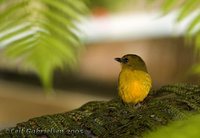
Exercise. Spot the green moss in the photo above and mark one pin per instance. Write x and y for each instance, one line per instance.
(116, 119)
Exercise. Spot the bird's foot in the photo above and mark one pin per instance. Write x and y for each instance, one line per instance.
(133, 106)
(138, 105)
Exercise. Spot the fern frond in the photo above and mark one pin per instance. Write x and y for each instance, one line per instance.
(41, 33)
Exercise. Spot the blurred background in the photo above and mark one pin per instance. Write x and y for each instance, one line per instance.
(33, 80)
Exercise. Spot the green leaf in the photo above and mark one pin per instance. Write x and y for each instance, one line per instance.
(188, 7)
(197, 41)
(188, 128)
(193, 24)
(21, 48)
(66, 9)
(168, 5)
(13, 32)
(78, 6)
(41, 33)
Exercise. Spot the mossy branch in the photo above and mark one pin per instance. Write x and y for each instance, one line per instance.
(113, 118)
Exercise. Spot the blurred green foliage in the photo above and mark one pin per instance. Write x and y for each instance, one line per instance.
(188, 128)
(187, 8)
(109, 5)
(41, 33)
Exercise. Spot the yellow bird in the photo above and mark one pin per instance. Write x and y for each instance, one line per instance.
(134, 80)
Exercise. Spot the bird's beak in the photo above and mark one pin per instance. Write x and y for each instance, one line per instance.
(118, 59)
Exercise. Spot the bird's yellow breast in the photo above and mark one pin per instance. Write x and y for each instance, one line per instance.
(134, 85)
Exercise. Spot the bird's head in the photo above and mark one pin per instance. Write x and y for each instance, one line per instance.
(132, 61)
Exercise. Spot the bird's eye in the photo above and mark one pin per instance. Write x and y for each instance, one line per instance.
(125, 60)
